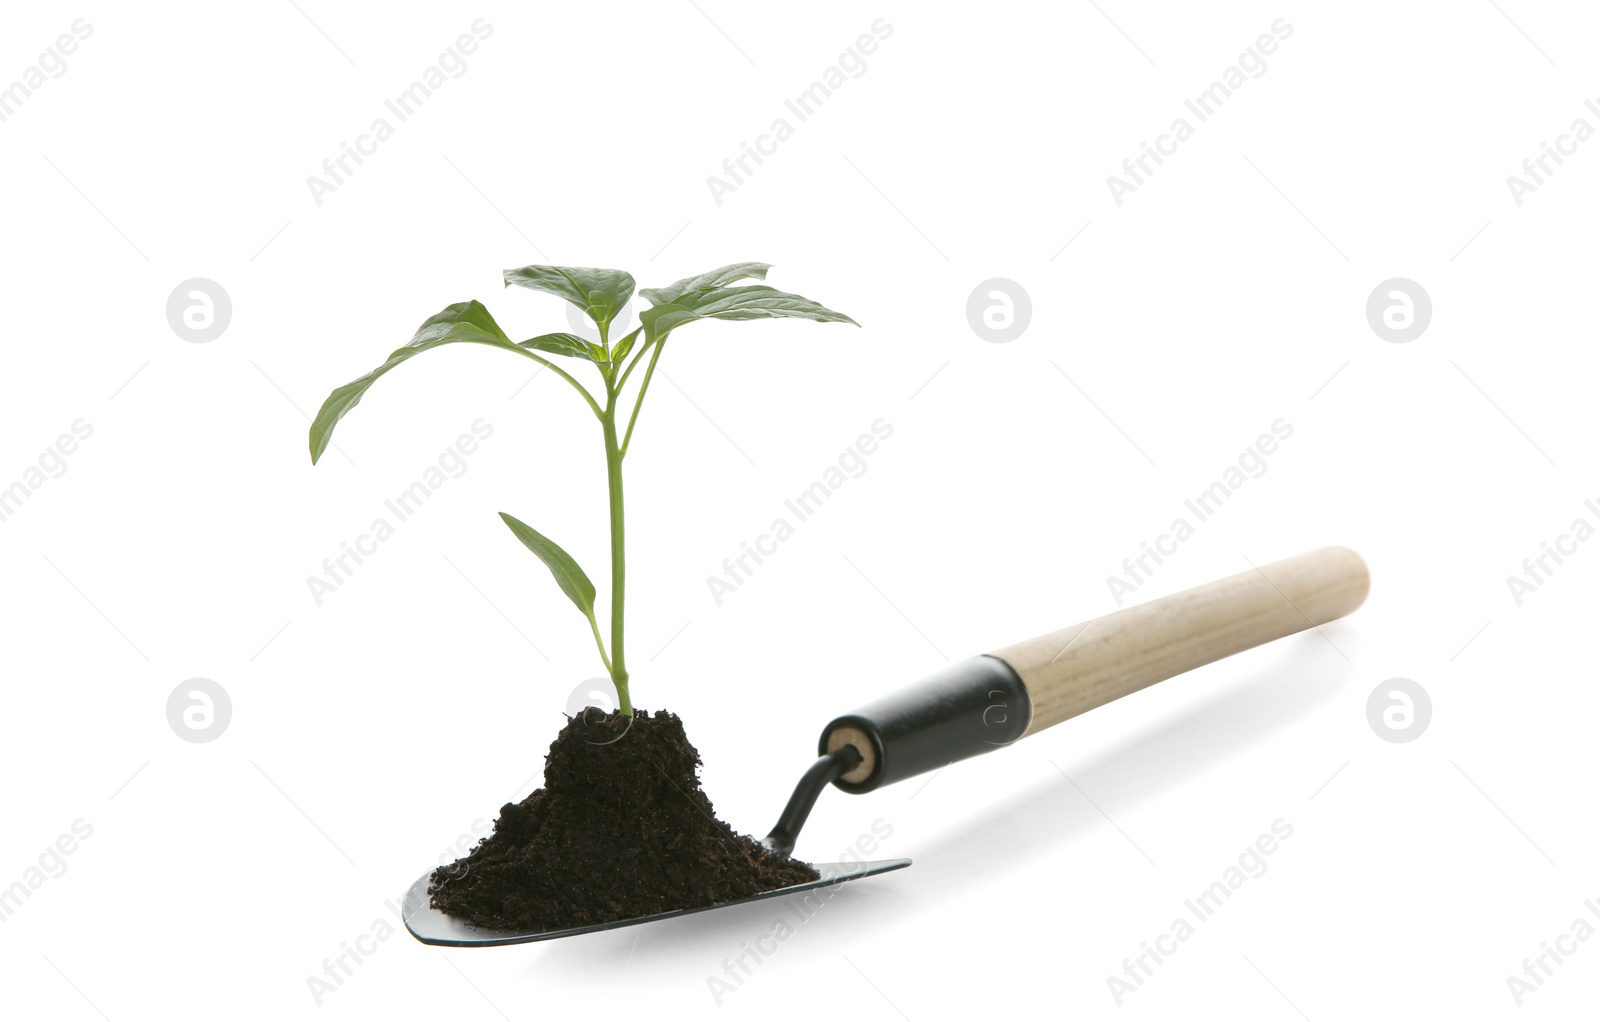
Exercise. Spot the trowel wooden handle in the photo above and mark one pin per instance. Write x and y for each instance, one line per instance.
(1086, 665)
(989, 701)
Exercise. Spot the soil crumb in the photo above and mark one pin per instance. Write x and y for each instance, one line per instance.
(620, 829)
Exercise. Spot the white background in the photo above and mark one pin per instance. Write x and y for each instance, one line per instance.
(370, 732)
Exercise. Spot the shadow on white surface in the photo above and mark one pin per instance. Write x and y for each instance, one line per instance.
(1167, 754)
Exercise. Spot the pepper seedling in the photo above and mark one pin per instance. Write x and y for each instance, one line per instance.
(602, 295)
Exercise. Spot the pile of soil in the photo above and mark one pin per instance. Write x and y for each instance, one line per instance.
(621, 829)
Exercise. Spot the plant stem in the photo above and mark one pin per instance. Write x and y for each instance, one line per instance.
(618, 665)
(638, 402)
(580, 388)
(638, 356)
(600, 644)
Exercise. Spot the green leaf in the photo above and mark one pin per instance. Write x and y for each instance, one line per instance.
(568, 575)
(601, 294)
(463, 323)
(620, 350)
(661, 319)
(567, 344)
(736, 303)
(720, 277)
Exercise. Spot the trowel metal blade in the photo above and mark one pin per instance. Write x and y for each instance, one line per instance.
(431, 926)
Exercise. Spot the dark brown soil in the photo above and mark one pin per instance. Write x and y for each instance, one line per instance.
(621, 829)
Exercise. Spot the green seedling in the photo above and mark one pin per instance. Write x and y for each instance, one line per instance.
(601, 294)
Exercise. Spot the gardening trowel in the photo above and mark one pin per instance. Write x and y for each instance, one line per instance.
(987, 702)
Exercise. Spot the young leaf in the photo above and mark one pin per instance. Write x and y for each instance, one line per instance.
(464, 323)
(567, 344)
(568, 575)
(720, 277)
(736, 303)
(601, 294)
(619, 351)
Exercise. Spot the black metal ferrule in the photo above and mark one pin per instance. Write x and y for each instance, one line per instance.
(973, 706)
